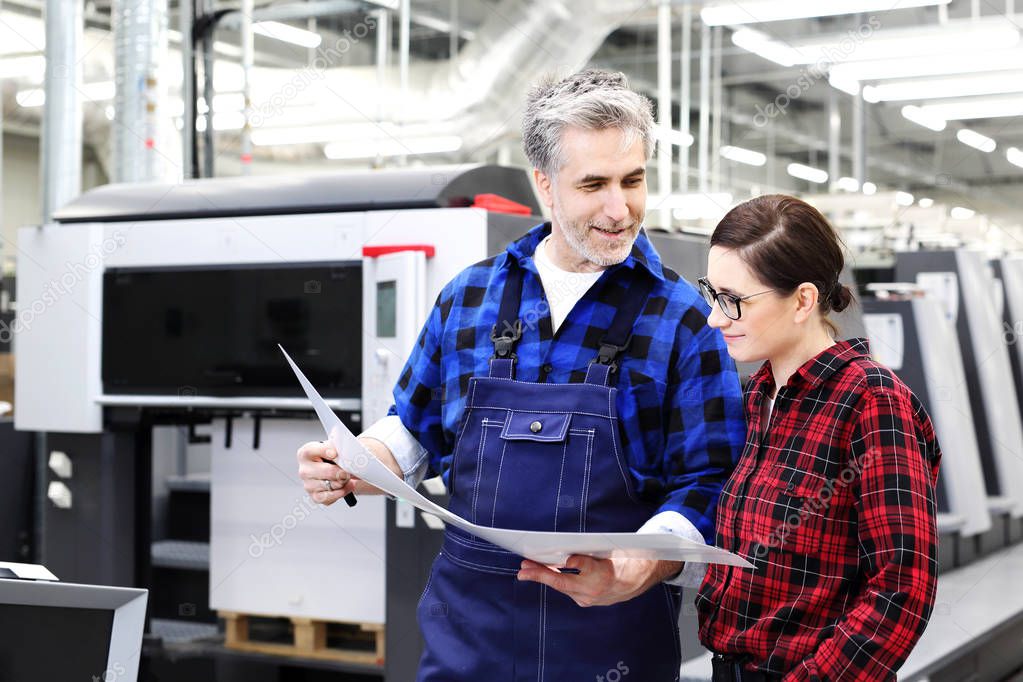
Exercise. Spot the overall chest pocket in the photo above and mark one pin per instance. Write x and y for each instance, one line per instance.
(536, 427)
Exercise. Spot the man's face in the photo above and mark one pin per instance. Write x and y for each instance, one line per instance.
(598, 197)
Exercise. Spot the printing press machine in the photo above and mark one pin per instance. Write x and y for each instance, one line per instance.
(151, 316)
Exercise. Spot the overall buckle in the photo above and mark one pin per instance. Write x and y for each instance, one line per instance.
(504, 344)
(609, 352)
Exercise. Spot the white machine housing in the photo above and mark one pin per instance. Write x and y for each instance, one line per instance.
(272, 551)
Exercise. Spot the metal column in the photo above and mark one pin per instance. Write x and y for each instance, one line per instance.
(704, 142)
(685, 86)
(664, 107)
(61, 144)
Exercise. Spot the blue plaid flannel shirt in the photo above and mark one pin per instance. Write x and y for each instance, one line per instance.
(679, 399)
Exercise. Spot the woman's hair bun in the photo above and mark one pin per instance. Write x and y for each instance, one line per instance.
(840, 297)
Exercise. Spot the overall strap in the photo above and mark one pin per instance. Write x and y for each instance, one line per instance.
(508, 330)
(619, 335)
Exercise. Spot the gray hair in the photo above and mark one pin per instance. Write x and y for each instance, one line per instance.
(592, 100)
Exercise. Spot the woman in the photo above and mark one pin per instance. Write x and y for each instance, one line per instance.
(833, 498)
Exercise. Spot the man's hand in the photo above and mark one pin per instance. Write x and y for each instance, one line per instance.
(601, 582)
(317, 470)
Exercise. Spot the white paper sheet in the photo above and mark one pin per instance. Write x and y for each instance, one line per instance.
(547, 548)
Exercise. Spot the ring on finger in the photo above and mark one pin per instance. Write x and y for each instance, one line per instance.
(327, 485)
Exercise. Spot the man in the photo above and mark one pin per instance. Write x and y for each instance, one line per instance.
(582, 391)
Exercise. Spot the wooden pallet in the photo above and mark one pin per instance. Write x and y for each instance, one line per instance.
(361, 643)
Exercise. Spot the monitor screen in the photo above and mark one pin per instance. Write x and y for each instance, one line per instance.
(66, 631)
(214, 330)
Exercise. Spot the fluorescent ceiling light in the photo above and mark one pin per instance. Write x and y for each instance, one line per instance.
(961, 213)
(1015, 156)
(808, 173)
(846, 85)
(92, 92)
(917, 115)
(318, 134)
(228, 120)
(985, 107)
(847, 184)
(869, 188)
(925, 202)
(974, 139)
(724, 13)
(222, 103)
(904, 199)
(761, 44)
(287, 34)
(966, 35)
(368, 149)
(949, 63)
(672, 136)
(746, 156)
(23, 67)
(941, 88)
(698, 205)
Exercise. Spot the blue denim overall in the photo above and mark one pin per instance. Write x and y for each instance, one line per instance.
(537, 456)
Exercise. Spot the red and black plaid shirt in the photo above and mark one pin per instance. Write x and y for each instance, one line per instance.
(834, 504)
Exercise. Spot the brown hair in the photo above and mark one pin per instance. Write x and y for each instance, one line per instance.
(785, 242)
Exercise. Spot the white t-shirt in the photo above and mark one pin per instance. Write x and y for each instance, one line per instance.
(563, 288)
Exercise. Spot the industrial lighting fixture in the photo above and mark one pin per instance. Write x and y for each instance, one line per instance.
(961, 213)
(94, 92)
(846, 85)
(925, 202)
(942, 88)
(974, 139)
(808, 173)
(984, 107)
(871, 94)
(970, 35)
(1015, 156)
(226, 120)
(730, 12)
(320, 134)
(741, 155)
(287, 34)
(761, 44)
(23, 67)
(847, 184)
(368, 149)
(950, 63)
(697, 205)
(869, 188)
(672, 136)
(917, 115)
(904, 199)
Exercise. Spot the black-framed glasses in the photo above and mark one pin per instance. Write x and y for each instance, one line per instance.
(730, 304)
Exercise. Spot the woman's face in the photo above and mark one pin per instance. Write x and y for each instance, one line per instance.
(766, 326)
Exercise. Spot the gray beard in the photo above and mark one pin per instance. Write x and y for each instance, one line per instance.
(579, 244)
